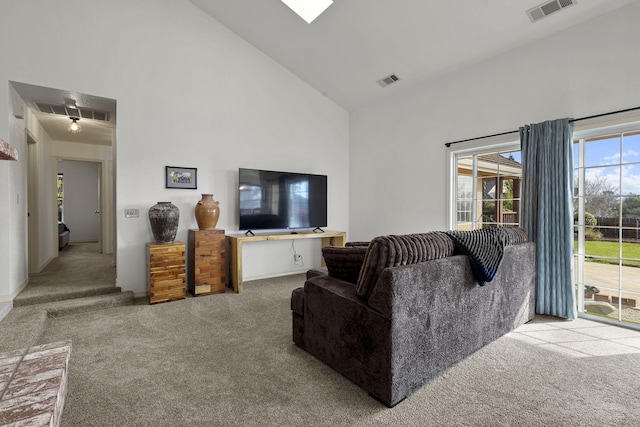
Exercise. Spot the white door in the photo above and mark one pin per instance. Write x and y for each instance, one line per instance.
(81, 203)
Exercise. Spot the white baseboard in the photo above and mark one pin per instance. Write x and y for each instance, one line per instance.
(273, 275)
(5, 308)
(44, 264)
(11, 296)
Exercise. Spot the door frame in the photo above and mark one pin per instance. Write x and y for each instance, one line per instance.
(33, 228)
(105, 198)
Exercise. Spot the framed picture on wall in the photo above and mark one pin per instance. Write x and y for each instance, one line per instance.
(177, 177)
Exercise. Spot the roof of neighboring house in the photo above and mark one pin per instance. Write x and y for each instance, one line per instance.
(499, 158)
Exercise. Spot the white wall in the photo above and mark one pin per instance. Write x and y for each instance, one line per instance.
(398, 168)
(189, 93)
(81, 151)
(13, 227)
(44, 210)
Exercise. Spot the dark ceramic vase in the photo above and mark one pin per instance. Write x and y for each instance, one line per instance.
(164, 218)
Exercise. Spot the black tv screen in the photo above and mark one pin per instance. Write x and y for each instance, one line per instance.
(279, 200)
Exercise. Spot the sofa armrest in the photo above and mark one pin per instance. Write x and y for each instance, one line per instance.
(344, 332)
(318, 271)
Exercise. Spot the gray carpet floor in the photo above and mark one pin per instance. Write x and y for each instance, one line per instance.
(79, 270)
(228, 360)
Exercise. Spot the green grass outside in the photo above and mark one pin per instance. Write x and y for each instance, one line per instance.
(611, 249)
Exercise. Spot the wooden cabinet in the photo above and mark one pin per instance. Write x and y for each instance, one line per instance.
(166, 272)
(206, 262)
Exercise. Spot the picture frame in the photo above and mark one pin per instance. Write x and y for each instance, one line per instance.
(179, 177)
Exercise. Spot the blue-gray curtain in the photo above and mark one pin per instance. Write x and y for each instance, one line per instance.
(547, 211)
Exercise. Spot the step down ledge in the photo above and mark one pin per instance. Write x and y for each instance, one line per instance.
(59, 297)
(82, 305)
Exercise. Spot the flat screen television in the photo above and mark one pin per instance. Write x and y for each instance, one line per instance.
(271, 200)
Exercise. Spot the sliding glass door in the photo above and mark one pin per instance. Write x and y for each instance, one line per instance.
(607, 224)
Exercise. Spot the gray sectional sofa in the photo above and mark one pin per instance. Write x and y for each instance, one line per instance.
(415, 310)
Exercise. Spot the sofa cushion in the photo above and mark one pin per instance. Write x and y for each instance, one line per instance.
(396, 250)
(514, 235)
(344, 262)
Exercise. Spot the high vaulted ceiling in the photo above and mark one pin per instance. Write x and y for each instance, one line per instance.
(354, 43)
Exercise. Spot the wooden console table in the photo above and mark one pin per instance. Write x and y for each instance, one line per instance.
(329, 238)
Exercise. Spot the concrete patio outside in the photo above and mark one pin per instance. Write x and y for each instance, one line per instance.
(606, 278)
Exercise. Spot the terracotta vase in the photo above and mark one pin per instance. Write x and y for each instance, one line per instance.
(207, 212)
(164, 218)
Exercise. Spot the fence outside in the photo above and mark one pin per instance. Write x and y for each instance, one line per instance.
(609, 227)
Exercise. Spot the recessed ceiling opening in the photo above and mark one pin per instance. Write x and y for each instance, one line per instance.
(308, 9)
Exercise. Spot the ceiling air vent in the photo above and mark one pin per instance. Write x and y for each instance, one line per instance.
(386, 81)
(547, 8)
(81, 112)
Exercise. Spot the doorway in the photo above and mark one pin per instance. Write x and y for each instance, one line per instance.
(80, 209)
(86, 157)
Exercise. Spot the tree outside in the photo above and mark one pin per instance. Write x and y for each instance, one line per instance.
(600, 200)
(631, 207)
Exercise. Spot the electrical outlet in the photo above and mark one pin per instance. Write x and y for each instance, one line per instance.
(131, 213)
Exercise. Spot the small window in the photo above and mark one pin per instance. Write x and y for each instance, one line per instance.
(60, 197)
(487, 189)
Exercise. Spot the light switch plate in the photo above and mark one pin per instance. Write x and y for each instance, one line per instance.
(131, 213)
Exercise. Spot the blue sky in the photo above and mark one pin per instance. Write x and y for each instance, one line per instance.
(603, 159)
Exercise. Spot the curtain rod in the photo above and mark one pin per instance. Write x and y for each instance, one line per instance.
(448, 144)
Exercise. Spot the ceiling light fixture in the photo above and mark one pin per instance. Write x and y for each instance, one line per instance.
(308, 9)
(74, 127)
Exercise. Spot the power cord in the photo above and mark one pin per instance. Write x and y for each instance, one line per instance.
(296, 257)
